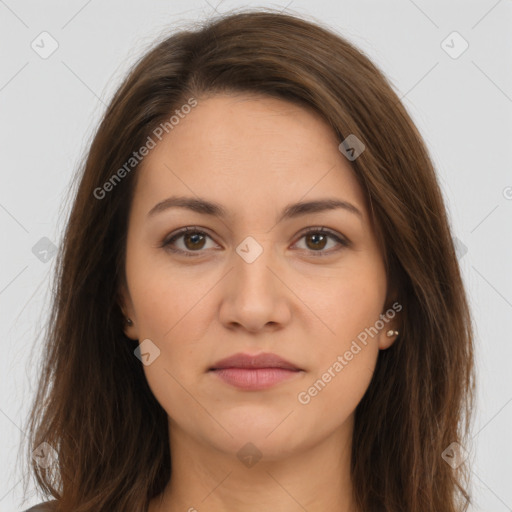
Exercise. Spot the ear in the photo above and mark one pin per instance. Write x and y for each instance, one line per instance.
(392, 320)
(387, 336)
(126, 305)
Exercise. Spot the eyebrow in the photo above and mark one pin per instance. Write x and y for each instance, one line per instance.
(291, 211)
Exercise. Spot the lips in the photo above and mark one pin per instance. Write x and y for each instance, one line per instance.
(257, 379)
(248, 361)
(255, 373)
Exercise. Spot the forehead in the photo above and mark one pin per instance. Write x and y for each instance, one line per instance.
(250, 147)
(239, 122)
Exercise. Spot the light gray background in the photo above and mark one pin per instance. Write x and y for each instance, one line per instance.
(462, 106)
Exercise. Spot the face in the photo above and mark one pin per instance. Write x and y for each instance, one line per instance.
(253, 276)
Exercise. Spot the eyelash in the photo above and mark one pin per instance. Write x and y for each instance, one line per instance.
(166, 243)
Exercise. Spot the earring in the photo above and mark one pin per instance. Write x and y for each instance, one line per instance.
(129, 321)
(392, 333)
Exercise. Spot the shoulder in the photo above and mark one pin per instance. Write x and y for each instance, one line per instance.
(47, 506)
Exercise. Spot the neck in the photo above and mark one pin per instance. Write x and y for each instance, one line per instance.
(313, 478)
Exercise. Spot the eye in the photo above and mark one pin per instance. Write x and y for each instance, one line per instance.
(194, 240)
(317, 239)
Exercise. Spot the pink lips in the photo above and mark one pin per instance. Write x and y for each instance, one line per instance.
(254, 372)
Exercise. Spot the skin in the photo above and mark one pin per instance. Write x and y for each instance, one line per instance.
(291, 301)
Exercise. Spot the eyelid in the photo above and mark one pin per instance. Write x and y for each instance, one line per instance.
(338, 237)
(320, 229)
(166, 242)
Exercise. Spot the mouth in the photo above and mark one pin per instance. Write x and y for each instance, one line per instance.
(248, 361)
(259, 372)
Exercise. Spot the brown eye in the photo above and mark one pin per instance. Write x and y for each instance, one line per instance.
(317, 240)
(191, 240)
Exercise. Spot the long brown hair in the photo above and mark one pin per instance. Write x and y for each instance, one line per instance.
(93, 404)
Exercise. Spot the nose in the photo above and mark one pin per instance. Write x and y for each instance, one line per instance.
(255, 296)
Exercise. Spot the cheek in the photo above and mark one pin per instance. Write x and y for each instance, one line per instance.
(166, 297)
(177, 322)
(349, 306)
(347, 302)
(344, 359)
(334, 395)
(174, 312)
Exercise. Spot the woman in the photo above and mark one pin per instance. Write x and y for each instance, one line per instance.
(258, 304)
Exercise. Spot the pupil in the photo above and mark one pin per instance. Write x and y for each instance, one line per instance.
(195, 238)
(315, 237)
